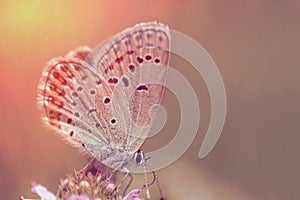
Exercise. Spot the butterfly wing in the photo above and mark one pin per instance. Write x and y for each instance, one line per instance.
(66, 93)
(135, 89)
(100, 100)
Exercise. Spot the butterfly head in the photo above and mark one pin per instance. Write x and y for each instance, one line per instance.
(139, 157)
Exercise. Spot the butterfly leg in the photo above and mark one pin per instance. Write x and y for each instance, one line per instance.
(127, 174)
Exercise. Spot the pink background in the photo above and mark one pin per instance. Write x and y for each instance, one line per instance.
(256, 46)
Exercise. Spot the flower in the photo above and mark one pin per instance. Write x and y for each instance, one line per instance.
(85, 185)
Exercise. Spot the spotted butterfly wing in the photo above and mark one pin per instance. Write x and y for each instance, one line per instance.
(86, 98)
(66, 95)
(136, 89)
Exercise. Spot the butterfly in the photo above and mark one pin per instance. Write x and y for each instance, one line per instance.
(103, 100)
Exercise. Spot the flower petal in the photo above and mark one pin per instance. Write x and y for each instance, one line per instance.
(42, 192)
(133, 195)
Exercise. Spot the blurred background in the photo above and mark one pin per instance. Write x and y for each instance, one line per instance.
(255, 45)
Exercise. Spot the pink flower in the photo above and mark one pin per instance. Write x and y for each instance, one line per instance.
(93, 183)
(133, 195)
(81, 186)
(42, 192)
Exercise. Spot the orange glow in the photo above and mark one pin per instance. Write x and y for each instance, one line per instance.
(24, 17)
(256, 47)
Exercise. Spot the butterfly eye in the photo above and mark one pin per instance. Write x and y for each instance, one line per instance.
(139, 157)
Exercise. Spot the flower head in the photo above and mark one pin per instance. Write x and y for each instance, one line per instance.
(85, 185)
